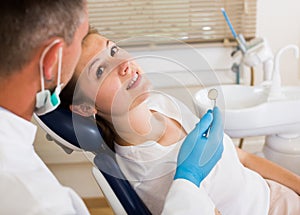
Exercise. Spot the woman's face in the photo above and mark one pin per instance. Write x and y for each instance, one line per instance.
(109, 77)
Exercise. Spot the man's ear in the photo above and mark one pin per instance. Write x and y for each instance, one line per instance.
(50, 60)
(84, 109)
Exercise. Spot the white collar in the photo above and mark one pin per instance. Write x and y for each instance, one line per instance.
(13, 127)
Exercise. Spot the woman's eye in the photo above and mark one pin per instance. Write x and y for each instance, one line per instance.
(114, 50)
(99, 71)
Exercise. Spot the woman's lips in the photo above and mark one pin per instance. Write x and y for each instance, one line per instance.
(134, 81)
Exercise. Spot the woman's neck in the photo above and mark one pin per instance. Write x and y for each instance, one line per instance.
(138, 125)
(142, 124)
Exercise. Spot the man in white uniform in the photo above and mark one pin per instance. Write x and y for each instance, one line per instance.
(36, 36)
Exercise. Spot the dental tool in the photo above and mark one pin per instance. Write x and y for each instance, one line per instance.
(239, 38)
(212, 95)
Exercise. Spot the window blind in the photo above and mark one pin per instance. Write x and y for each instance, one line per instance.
(191, 21)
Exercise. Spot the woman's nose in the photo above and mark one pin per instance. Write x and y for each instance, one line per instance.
(124, 68)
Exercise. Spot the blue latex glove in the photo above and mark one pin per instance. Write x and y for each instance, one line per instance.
(199, 153)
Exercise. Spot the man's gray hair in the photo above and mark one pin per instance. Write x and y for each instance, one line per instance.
(26, 24)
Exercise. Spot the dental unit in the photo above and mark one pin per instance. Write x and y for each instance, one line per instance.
(267, 109)
(254, 52)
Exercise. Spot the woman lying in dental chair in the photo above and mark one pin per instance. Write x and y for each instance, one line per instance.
(146, 130)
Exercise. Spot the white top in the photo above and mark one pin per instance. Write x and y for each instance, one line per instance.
(150, 167)
(26, 184)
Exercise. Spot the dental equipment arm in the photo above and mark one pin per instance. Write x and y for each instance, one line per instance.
(199, 153)
(239, 38)
(259, 52)
(256, 52)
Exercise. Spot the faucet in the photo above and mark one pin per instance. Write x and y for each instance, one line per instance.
(275, 89)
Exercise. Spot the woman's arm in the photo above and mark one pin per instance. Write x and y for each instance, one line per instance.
(270, 170)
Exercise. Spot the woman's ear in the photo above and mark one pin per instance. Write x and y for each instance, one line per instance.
(50, 60)
(84, 109)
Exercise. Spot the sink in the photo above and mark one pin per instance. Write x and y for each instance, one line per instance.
(268, 109)
(248, 111)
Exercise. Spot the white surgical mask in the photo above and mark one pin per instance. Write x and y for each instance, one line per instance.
(45, 102)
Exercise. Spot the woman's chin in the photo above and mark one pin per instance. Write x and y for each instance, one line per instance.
(140, 99)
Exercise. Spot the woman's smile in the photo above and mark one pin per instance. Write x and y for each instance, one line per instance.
(134, 81)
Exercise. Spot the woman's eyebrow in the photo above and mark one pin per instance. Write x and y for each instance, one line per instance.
(91, 65)
(97, 59)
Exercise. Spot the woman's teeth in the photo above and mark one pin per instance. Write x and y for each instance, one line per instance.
(135, 77)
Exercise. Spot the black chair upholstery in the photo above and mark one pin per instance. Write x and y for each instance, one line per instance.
(84, 134)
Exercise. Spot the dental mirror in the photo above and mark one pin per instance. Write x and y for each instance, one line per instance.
(212, 95)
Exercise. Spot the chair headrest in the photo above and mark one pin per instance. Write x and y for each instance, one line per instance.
(72, 130)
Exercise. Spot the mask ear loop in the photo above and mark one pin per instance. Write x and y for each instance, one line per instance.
(55, 100)
(59, 66)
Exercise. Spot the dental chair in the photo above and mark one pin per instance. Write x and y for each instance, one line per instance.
(74, 132)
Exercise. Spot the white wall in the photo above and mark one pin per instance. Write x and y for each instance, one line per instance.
(279, 22)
